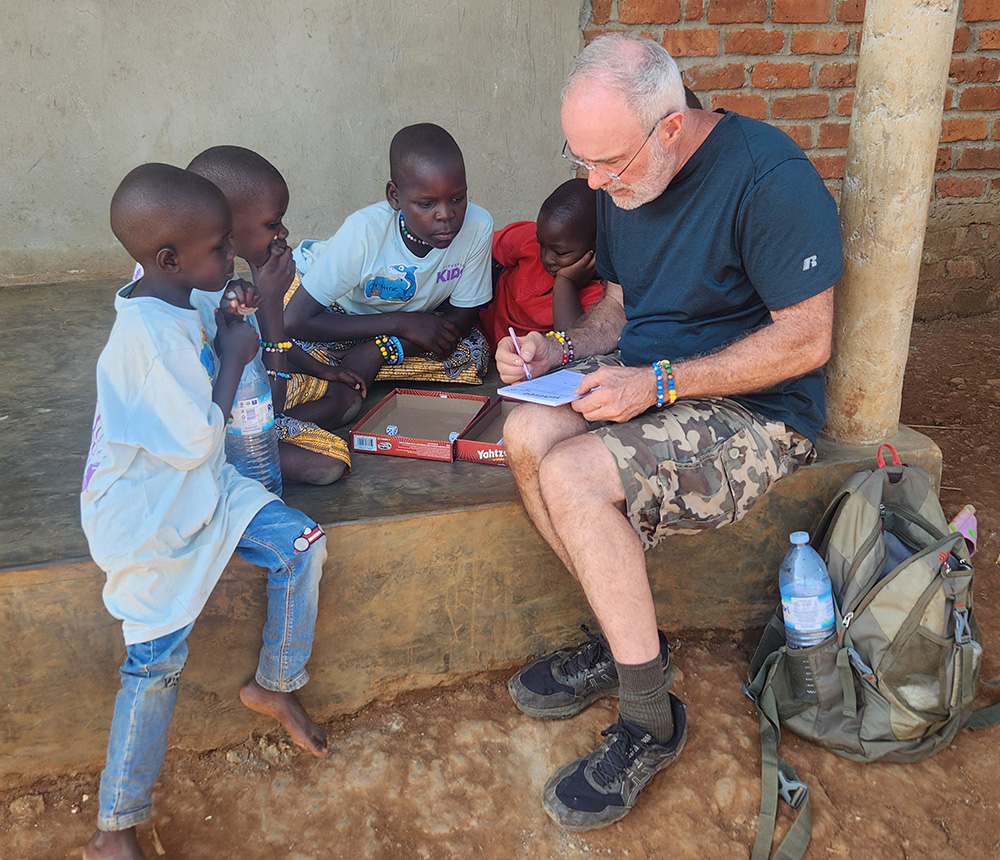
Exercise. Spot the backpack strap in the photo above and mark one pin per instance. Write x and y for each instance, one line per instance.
(987, 717)
(984, 718)
(777, 777)
(824, 528)
(881, 460)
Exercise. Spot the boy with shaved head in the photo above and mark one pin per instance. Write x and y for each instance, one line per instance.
(403, 278)
(258, 196)
(162, 509)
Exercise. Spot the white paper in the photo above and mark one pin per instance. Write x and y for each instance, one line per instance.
(553, 389)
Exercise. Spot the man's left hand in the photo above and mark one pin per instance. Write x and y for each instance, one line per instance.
(616, 393)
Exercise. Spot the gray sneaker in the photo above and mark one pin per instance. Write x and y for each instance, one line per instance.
(563, 683)
(599, 789)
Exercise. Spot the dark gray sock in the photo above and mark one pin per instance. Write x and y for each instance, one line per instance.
(643, 698)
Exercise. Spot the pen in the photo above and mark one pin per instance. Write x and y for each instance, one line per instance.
(517, 349)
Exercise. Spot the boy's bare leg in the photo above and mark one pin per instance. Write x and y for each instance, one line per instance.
(309, 467)
(113, 845)
(287, 710)
(341, 405)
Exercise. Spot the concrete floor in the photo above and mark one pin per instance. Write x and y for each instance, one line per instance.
(51, 337)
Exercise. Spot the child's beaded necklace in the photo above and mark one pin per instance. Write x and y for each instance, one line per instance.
(409, 235)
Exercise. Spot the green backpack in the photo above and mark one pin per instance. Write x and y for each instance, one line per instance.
(897, 679)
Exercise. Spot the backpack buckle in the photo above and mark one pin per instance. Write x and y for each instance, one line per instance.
(963, 633)
(792, 791)
(861, 666)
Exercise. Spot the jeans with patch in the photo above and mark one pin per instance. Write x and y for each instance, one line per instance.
(152, 670)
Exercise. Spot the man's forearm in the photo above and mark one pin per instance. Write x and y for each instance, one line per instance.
(598, 332)
(796, 342)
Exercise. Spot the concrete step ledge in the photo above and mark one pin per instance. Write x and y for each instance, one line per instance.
(479, 589)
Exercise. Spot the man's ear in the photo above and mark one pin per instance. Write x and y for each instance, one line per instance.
(670, 127)
(392, 194)
(166, 260)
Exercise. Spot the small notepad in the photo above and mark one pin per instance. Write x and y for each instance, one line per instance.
(553, 389)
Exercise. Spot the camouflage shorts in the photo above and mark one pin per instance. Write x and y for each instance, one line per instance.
(697, 465)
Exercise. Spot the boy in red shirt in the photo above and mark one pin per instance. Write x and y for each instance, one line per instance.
(548, 277)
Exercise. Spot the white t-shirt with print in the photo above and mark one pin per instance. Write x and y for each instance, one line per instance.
(366, 267)
(162, 509)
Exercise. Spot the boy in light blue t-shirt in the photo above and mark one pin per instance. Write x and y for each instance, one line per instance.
(405, 278)
(162, 509)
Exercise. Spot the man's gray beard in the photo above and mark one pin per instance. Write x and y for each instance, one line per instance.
(646, 190)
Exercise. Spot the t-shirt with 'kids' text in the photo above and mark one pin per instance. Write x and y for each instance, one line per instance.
(366, 267)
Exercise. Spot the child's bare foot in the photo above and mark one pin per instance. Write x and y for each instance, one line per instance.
(113, 845)
(287, 710)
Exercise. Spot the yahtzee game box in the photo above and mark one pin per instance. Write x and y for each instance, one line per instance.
(412, 423)
(482, 442)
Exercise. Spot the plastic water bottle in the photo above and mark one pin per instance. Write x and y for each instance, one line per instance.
(807, 607)
(251, 437)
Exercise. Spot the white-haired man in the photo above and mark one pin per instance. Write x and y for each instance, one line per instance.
(720, 246)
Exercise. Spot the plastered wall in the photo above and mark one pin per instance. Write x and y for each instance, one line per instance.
(90, 89)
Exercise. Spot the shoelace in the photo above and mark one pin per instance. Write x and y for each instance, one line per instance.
(585, 656)
(618, 757)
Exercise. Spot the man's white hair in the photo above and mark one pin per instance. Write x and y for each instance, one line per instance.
(640, 69)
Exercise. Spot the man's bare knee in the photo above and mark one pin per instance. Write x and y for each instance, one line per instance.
(580, 471)
(531, 431)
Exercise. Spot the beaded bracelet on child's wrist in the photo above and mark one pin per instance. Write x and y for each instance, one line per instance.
(276, 345)
(391, 348)
(277, 374)
(565, 342)
(664, 374)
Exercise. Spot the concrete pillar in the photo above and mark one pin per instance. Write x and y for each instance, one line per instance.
(895, 127)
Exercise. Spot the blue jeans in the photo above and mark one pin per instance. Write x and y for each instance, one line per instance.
(152, 670)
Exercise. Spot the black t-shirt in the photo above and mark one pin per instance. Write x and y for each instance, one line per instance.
(745, 227)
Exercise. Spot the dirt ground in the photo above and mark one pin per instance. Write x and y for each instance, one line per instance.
(458, 771)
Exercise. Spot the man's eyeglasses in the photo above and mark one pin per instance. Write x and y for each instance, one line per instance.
(579, 162)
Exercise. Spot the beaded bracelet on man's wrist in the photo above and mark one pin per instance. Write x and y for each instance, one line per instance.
(565, 342)
(664, 377)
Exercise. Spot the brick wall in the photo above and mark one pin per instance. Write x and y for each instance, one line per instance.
(793, 63)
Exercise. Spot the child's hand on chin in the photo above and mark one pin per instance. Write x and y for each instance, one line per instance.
(240, 299)
(275, 276)
(582, 272)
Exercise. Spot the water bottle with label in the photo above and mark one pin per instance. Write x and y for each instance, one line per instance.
(807, 607)
(251, 437)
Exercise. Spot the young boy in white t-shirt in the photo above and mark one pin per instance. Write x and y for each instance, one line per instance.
(409, 274)
(162, 509)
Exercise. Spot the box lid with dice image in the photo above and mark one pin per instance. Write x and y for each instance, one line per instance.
(412, 423)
